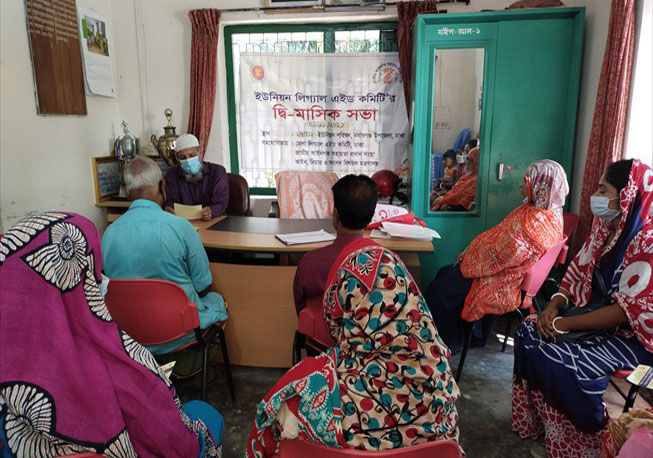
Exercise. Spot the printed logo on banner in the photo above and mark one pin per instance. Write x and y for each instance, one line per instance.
(258, 72)
(387, 73)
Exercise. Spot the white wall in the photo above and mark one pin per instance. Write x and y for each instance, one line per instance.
(45, 161)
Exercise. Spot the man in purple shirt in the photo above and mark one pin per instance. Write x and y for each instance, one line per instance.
(354, 199)
(195, 182)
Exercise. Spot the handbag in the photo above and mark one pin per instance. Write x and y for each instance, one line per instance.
(599, 299)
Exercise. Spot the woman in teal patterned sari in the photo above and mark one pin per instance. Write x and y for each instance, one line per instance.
(387, 384)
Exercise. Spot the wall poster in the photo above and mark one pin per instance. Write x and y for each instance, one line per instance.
(96, 49)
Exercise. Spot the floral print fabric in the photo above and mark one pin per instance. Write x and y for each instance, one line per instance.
(71, 380)
(498, 259)
(387, 384)
(396, 385)
(305, 195)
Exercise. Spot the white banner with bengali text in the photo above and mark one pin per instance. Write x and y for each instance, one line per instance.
(323, 112)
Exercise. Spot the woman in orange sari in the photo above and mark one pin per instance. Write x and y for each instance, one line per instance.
(463, 194)
(487, 276)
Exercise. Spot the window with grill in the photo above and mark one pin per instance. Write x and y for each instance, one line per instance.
(296, 39)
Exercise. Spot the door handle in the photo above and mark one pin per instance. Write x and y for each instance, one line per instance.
(500, 171)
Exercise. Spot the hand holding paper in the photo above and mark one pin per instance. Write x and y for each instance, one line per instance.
(188, 212)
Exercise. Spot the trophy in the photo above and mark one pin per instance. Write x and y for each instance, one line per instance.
(165, 144)
(127, 147)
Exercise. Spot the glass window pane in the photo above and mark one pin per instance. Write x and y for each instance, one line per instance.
(457, 89)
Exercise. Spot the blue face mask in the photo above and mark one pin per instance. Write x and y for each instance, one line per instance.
(192, 165)
(600, 208)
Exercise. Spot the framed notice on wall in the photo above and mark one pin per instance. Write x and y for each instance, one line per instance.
(56, 56)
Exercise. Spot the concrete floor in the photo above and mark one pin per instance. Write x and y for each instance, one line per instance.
(484, 407)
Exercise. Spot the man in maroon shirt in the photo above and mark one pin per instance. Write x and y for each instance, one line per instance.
(354, 199)
(195, 182)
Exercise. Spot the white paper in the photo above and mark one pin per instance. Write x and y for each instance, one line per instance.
(189, 212)
(306, 237)
(378, 234)
(407, 231)
(97, 49)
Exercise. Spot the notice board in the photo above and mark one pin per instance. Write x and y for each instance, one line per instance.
(56, 56)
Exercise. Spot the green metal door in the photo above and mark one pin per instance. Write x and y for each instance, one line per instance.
(531, 94)
(529, 98)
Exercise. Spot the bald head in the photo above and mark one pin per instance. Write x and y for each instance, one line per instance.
(143, 180)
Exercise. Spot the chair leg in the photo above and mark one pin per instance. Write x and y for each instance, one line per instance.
(227, 365)
(468, 327)
(205, 371)
(505, 335)
(298, 343)
(630, 400)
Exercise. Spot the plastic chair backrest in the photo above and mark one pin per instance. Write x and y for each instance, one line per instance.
(539, 272)
(152, 312)
(301, 449)
(312, 324)
(570, 221)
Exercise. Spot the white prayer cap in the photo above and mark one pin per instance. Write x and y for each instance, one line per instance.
(186, 141)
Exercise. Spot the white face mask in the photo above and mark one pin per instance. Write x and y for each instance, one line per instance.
(460, 158)
(600, 208)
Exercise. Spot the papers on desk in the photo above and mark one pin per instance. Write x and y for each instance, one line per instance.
(299, 238)
(408, 231)
(188, 212)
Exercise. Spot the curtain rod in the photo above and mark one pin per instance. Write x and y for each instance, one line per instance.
(322, 7)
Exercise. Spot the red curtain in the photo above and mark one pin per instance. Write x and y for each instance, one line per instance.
(406, 14)
(607, 136)
(203, 72)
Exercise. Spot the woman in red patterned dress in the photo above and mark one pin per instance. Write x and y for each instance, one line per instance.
(564, 358)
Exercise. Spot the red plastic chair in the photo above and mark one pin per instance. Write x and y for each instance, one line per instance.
(302, 449)
(632, 393)
(311, 331)
(155, 312)
(531, 284)
(570, 221)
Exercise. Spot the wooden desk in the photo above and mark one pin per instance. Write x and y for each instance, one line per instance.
(268, 243)
(262, 319)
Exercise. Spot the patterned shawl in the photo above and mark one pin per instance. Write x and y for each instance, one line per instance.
(547, 185)
(396, 386)
(635, 286)
(499, 258)
(464, 191)
(71, 380)
(386, 385)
